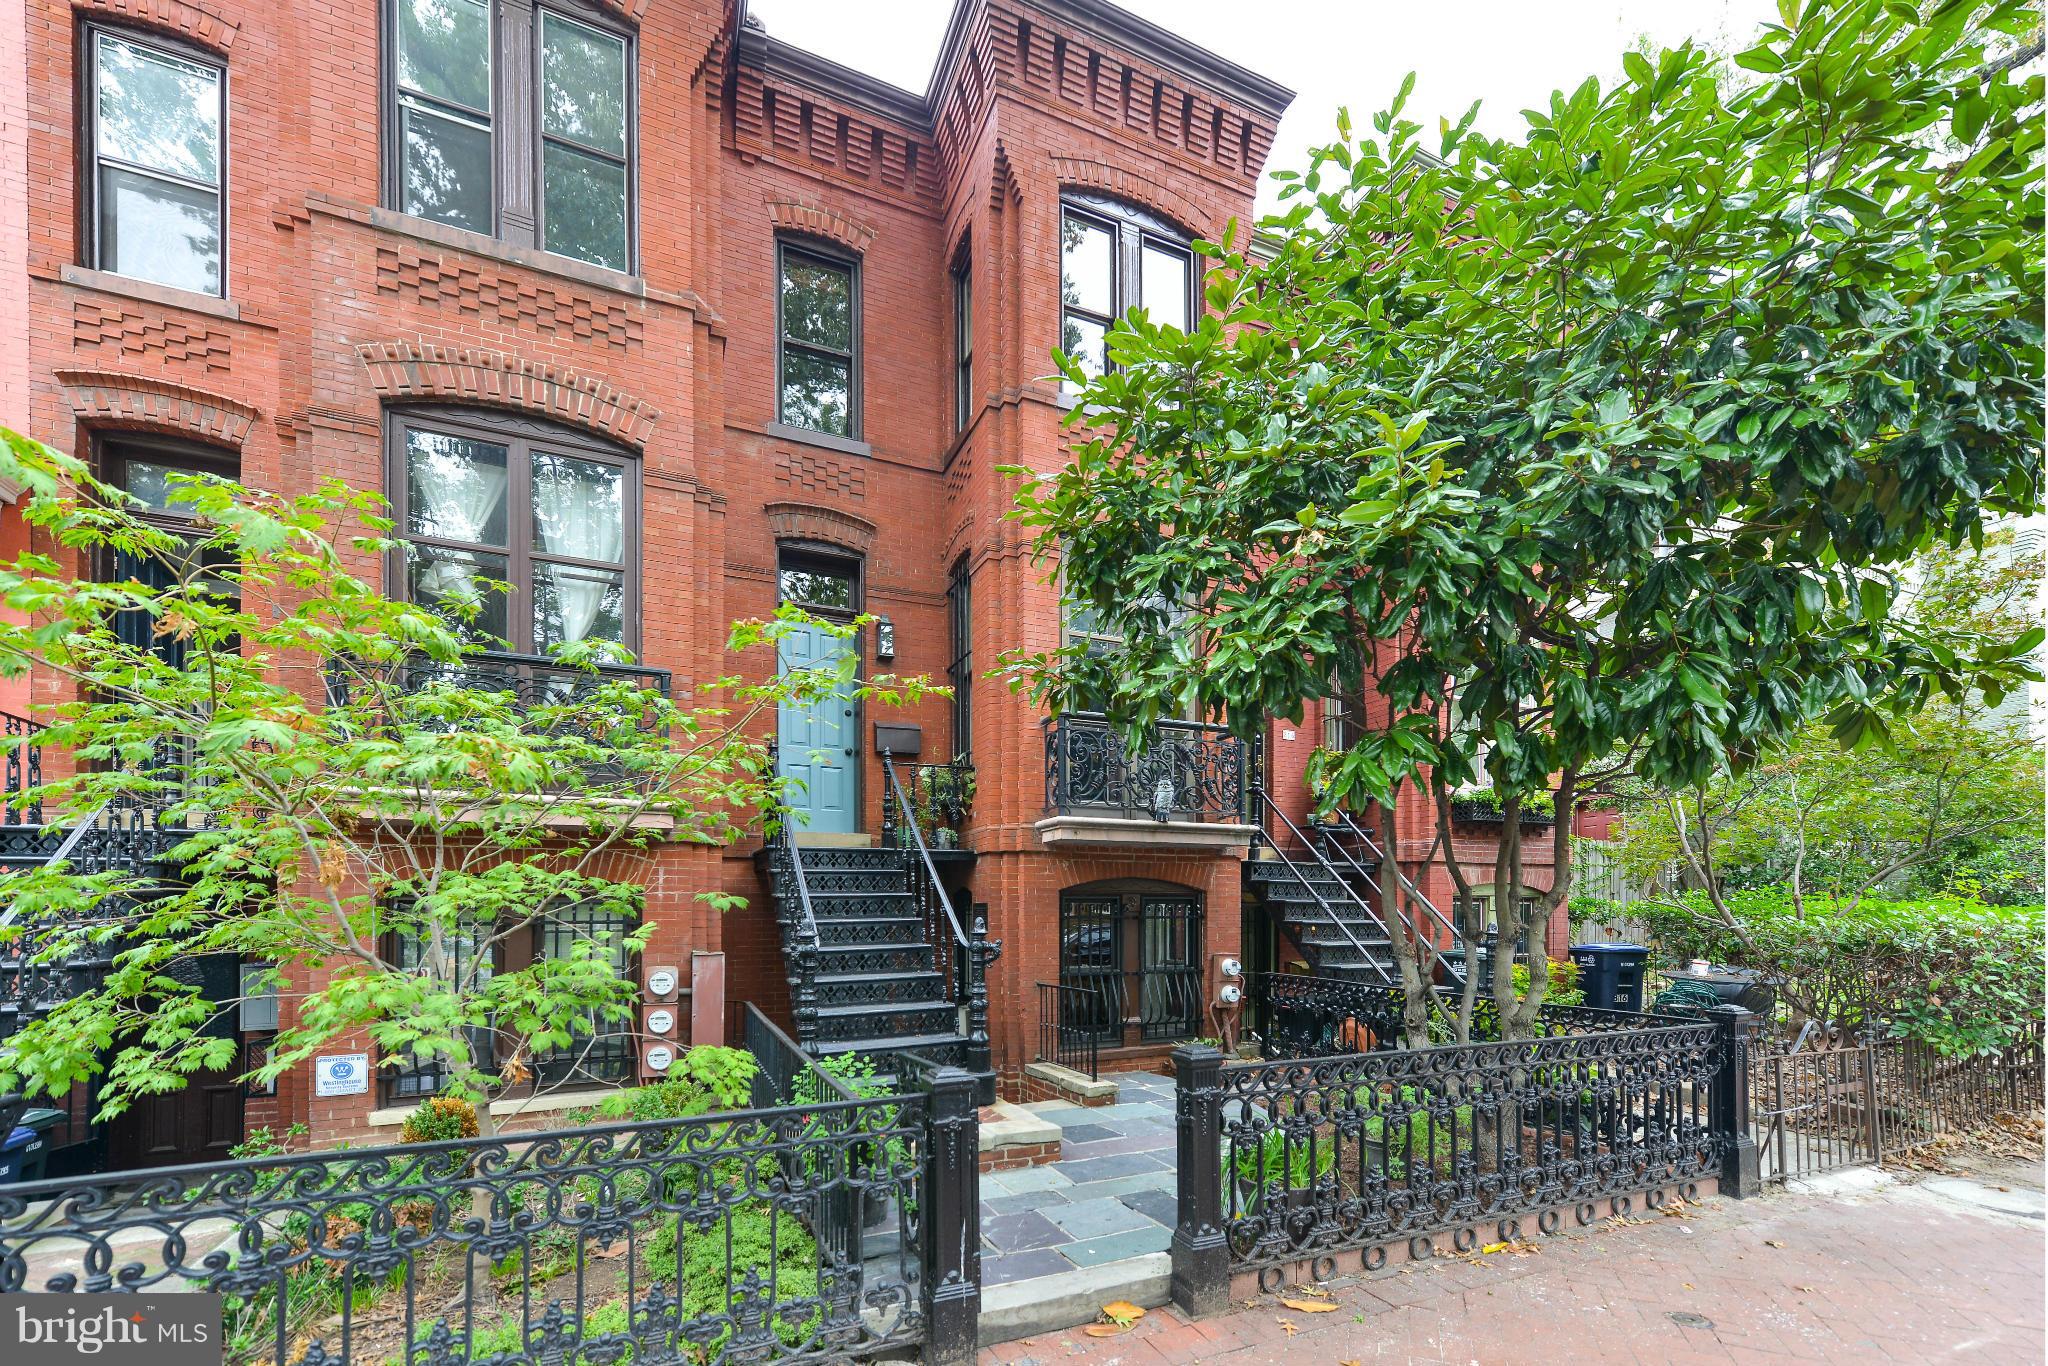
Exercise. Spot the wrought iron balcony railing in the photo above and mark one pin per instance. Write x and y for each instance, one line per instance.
(1186, 772)
(535, 681)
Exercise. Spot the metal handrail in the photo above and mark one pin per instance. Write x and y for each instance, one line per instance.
(1363, 952)
(809, 944)
(1443, 922)
(924, 854)
(64, 851)
(1052, 1026)
(23, 768)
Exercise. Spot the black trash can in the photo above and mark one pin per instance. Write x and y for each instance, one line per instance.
(1611, 975)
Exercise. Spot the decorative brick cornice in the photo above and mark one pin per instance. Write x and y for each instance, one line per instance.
(810, 522)
(173, 16)
(793, 215)
(403, 371)
(108, 399)
(1088, 173)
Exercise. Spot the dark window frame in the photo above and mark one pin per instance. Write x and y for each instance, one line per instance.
(518, 191)
(517, 434)
(963, 338)
(612, 1061)
(960, 667)
(1131, 230)
(834, 258)
(828, 560)
(88, 106)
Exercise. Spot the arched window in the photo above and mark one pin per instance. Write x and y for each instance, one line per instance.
(1114, 258)
(1136, 949)
(487, 498)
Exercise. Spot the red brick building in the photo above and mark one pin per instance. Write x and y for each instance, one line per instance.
(758, 326)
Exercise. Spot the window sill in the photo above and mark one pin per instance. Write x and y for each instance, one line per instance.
(782, 431)
(533, 258)
(191, 300)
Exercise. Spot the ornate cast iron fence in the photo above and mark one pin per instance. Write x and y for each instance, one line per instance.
(1820, 1110)
(1070, 1026)
(21, 768)
(1324, 1161)
(1314, 1017)
(686, 1240)
(1186, 772)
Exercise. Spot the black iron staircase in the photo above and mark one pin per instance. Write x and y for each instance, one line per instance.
(1325, 888)
(878, 958)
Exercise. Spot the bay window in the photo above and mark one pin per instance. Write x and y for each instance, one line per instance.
(1114, 258)
(515, 122)
(524, 536)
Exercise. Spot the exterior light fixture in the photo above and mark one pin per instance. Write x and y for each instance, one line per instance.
(885, 639)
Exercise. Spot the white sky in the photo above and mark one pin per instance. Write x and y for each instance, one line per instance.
(1510, 54)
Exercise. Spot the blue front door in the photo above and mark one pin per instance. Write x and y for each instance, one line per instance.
(817, 741)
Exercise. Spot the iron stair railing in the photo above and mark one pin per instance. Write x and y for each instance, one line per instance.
(799, 923)
(962, 957)
(21, 769)
(1273, 808)
(1443, 922)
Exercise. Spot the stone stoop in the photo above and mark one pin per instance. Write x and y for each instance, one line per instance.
(1047, 1304)
(1045, 1081)
(1012, 1138)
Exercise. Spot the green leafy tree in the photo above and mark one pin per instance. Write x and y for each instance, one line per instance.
(1593, 451)
(344, 790)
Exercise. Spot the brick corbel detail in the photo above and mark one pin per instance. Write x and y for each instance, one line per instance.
(809, 522)
(793, 215)
(1087, 173)
(404, 372)
(108, 399)
(172, 16)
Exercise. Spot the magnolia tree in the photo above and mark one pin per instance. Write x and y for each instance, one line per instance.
(1954, 803)
(1590, 451)
(345, 791)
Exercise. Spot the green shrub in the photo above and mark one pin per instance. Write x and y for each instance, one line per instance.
(1564, 987)
(771, 1244)
(703, 1079)
(438, 1119)
(1277, 1160)
(507, 1337)
(1949, 971)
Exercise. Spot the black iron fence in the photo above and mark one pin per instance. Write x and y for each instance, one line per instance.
(1322, 1162)
(706, 1239)
(1818, 1110)
(1185, 772)
(1070, 1027)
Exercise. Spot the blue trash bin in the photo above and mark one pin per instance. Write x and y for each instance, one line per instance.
(21, 1147)
(1611, 975)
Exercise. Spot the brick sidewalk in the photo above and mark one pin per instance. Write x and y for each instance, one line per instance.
(1893, 1275)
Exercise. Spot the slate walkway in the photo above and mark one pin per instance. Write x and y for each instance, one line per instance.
(1110, 1196)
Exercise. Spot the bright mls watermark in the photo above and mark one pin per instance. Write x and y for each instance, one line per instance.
(61, 1330)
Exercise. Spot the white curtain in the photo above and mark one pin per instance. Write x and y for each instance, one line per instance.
(579, 514)
(456, 497)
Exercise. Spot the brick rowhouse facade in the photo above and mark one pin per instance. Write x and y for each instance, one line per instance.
(338, 310)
